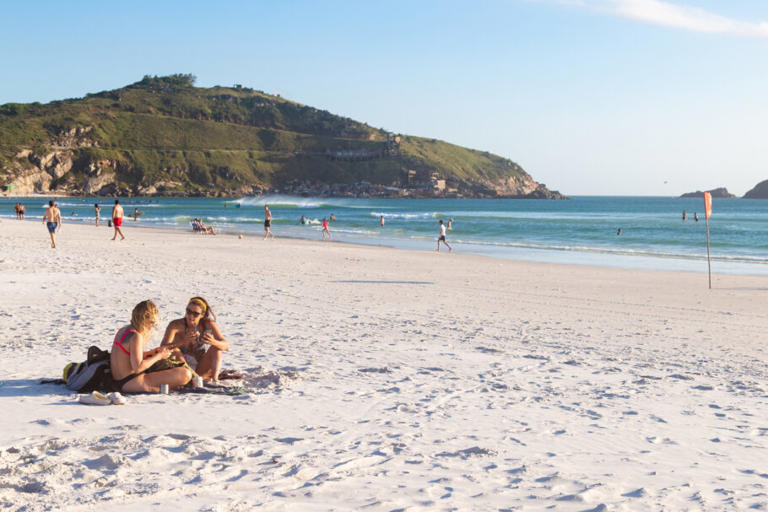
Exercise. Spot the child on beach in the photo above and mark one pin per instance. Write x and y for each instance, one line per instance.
(325, 229)
(197, 329)
(127, 362)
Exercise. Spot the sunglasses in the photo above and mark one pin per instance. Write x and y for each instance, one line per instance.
(194, 313)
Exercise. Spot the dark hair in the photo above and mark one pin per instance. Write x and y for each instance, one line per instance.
(208, 312)
(96, 205)
(117, 201)
(50, 203)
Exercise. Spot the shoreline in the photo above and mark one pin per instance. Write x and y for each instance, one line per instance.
(599, 258)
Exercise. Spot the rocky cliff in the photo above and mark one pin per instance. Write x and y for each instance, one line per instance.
(721, 192)
(759, 191)
(163, 136)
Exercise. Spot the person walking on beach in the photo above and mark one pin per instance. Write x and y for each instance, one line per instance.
(97, 213)
(325, 229)
(268, 223)
(441, 238)
(117, 219)
(52, 220)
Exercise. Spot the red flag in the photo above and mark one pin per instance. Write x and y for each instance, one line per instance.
(707, 205)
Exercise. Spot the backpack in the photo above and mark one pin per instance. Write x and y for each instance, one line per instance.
(93, 374)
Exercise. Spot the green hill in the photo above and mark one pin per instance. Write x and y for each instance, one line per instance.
(162, 135)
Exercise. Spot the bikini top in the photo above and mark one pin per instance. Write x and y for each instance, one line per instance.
(120, 343)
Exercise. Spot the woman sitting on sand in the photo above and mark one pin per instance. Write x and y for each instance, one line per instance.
(127, 362)
(192, 333)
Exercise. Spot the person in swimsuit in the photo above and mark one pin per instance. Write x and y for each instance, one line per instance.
(97, 212)
(127, 362)
(441, 238)
(325, 229)
(117, 219)
(196, 330)
(52, 220)
(267, 222)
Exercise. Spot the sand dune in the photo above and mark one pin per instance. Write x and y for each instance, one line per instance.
(381, 379)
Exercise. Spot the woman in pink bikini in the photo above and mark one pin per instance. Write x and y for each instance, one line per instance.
(127, 362)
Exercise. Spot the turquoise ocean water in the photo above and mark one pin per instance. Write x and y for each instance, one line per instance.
(578, 231)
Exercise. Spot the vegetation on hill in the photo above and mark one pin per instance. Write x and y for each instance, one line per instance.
(163, 135)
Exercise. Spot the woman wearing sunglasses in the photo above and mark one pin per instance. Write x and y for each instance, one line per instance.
(199, 338)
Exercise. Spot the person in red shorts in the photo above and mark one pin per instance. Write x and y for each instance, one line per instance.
(117, 219)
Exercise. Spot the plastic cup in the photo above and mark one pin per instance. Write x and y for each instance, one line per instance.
(198, 382)
(164, 389)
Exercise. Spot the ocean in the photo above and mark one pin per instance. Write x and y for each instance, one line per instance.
(582, 230)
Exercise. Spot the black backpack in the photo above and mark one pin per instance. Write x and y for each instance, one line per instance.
(93, 374)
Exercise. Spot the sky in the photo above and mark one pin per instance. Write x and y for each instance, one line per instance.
(590, 97)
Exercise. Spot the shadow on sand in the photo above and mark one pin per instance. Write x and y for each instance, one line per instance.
(356, 281)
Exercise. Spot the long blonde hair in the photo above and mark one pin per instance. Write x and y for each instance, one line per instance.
(144, 316)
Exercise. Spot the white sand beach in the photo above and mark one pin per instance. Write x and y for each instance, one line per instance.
(382, 379)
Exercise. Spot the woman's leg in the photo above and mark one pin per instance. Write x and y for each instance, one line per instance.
(210, 364)
(150, 382)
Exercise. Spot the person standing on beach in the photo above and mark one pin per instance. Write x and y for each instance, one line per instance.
(97, 212)
(52, 220)
(117, 219)
(325, 229)
(441, 238)
(268, 223)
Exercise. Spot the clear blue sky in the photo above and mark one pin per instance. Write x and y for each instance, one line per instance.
(625, 97)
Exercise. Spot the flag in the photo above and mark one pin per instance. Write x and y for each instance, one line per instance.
(707, 205)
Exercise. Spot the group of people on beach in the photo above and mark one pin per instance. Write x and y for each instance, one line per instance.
(326, 233)
(19, 210)
(191, 346)
(53, 220)
(198, 226)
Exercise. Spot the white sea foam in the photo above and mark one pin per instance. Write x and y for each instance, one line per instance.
(420, 215)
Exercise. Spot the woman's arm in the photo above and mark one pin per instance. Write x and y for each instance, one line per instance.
(213, 337)
(170, 333)
(138, 363)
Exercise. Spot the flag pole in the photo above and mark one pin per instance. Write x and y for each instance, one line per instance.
(709, 265)
(707, 214)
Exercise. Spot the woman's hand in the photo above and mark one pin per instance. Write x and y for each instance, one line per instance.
(207, 337)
